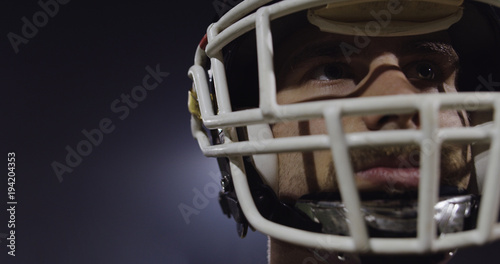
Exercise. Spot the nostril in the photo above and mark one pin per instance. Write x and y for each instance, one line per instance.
(416, 120)
(409, 121)
(385, 119)
(377, 122)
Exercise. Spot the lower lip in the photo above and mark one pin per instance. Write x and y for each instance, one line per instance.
(383, 177)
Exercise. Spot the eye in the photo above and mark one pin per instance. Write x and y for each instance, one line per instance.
(329, 72)
(424, 71)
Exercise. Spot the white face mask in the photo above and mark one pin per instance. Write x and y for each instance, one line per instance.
(213, 111)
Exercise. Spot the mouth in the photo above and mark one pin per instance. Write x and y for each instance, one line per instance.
(390, 175)
(390, 180)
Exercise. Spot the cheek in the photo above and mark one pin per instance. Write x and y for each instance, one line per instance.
(291, 176)
(291, 170)
(317, 127)
(325, 175)
(287, 129)
(302, 173)
(452, 118)
(353, 124)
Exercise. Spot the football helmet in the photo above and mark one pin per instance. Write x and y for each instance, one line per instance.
(234, 104)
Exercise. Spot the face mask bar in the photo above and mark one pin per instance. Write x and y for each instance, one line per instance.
(429, 137)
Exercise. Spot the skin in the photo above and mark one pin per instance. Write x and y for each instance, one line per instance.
(319, 70)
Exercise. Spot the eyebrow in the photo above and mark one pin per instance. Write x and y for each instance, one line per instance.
(333, 50)
(318, 49)
(431, 48)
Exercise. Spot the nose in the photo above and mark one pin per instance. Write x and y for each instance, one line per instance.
(392, 121)
(386, 78)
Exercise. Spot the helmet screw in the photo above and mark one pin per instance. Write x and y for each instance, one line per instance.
(226, 183)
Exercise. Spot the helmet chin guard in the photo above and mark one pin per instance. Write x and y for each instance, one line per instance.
(245, 144)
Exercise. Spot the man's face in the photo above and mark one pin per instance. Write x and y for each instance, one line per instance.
(313, 65)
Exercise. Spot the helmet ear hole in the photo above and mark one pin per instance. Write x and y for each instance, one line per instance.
(265, 164)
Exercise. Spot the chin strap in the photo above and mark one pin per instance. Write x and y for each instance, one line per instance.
(266, 201)
(393, 217)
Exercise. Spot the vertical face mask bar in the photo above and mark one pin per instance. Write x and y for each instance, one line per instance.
(197, 73)
(220, 82)
(430, 149)
(267, 80)
(487, 222)
(348, 189)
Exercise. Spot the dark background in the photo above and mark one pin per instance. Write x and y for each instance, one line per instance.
(120, 204)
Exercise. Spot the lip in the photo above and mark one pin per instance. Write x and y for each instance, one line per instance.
(388, 178)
